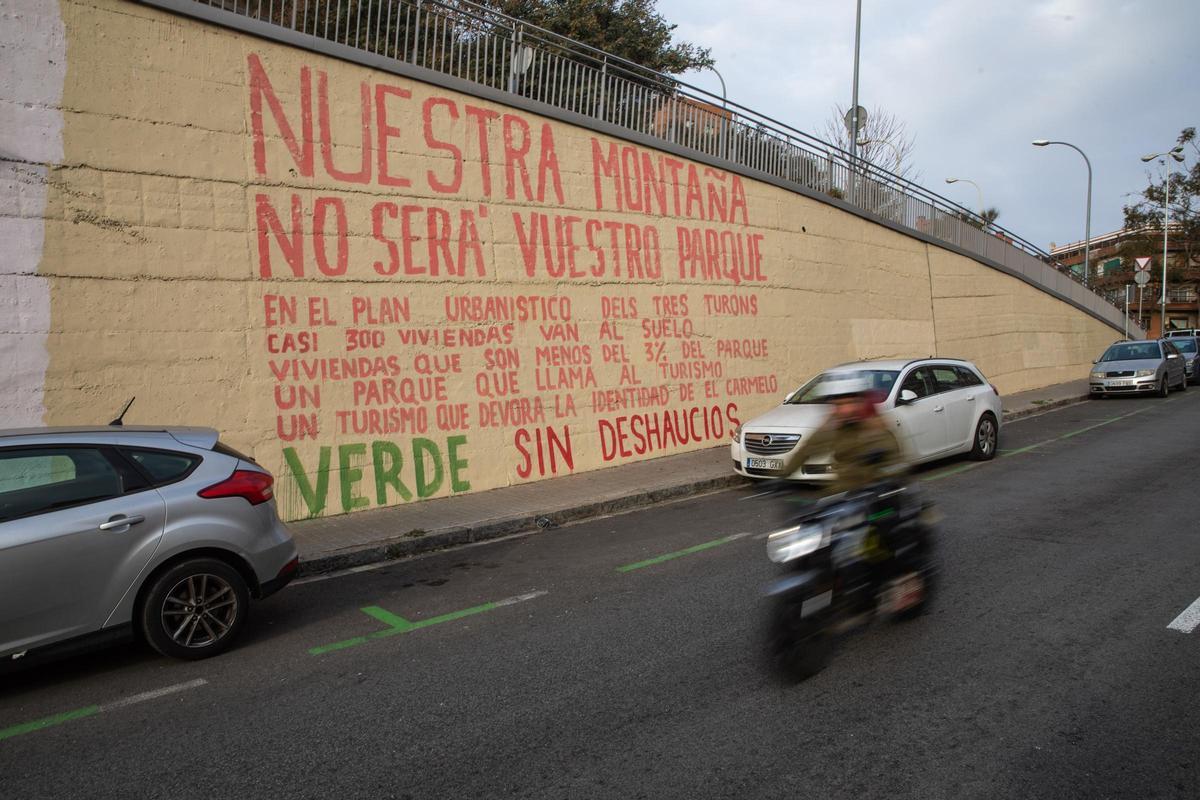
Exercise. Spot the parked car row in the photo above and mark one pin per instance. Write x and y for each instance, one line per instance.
(938, 407)
(1146, 366)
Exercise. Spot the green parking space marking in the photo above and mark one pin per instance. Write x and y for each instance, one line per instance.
(397, 625)
(87, 711)
(947, 473)
(47, 722)
(1068, 435)
(687, 551)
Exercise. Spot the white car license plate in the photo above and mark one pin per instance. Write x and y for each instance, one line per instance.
(1120, 383)
(764, 463)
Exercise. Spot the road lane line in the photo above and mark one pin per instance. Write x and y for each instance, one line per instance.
(397, 624)
(154, 694)
(760, 494)
(1188, 620)
(687, 551)
(88, 711)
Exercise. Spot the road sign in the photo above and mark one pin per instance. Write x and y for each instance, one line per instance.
(1141, 278)
(1143, 264)
(849, 120)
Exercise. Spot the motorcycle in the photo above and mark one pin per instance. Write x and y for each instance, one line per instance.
(849, 558)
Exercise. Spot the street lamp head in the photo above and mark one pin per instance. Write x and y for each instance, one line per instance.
(1177, 156)
(951, 180)
(1177, 148)
(1040, 142)
(1149, 158)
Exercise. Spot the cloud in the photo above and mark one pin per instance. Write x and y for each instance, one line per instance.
(976, 83)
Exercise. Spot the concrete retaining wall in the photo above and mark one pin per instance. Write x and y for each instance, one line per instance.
(386, 290)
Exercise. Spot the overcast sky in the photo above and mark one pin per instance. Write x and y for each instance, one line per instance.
(976, 82)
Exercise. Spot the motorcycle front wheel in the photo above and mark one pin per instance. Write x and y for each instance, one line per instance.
(797, 649)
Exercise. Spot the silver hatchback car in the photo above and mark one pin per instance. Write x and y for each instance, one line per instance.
(164, 533)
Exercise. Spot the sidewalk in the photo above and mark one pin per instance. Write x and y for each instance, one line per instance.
(369, 536)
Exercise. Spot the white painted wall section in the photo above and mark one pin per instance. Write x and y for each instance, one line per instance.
(33, 63)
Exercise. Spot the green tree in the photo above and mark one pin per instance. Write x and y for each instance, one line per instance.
(1144, 218)
(631, 29)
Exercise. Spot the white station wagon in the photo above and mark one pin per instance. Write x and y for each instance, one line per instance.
(937, 407)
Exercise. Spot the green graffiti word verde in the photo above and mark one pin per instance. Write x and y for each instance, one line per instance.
(429, 466)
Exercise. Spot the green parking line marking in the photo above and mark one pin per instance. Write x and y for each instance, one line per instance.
(1007, 453)
(1027, 448)
(47, 722)
(87, 711)
(687, 551)
(949, 472)
(397, 625)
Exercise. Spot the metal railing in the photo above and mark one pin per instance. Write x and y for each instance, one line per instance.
(468, 41)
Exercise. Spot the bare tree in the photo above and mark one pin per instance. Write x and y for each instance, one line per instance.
(884, 141)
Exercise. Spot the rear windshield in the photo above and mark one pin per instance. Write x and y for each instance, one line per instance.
(1132, 351)
(1184, 345)
(814, 392)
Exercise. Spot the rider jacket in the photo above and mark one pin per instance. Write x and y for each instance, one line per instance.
(862, 452)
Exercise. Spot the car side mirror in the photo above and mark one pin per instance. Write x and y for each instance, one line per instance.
(1097, 361)
(906, 396)
(788, 397)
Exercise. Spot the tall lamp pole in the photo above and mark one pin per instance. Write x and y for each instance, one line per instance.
(854, 93)
(978, 191)
(1177, 154)
(724, 107)
(1087, 235)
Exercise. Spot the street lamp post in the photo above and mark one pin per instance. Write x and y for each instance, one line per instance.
(1087, 235)
(854, 92)
(725, 108)
(1177, 154)
(895, 150)
(978, 191)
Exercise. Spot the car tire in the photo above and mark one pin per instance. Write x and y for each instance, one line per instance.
(195, 609)
(1163, 388)
(986, 439)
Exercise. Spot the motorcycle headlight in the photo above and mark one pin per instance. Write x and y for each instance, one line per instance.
(1143, 373)
(795, 542)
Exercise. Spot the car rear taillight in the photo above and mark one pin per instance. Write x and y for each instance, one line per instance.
(255, 487)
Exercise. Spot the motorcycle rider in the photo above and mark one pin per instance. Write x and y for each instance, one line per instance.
(864, 453)
(863, 448)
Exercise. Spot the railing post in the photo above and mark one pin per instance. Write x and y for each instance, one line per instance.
(416, 34)
(603, 109)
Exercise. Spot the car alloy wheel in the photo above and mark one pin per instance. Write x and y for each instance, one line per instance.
(194, 609)
(200, 610)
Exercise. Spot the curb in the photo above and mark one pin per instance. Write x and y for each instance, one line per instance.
(397, 547)
(1009, 416)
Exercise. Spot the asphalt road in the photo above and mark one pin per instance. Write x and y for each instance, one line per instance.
(1046, 668)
